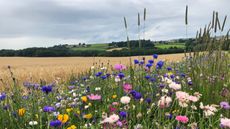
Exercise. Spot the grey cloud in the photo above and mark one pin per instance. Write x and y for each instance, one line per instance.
(27, 23)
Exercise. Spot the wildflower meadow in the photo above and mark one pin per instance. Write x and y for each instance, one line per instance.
(146, 94)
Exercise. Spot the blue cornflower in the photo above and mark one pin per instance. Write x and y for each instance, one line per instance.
(47, 89)
(165, 75)
(104, 77)
(121, 75)
(136, 61)
(148, 100)
(87, 89)
(162, 85)
(141, 62)
(55, 123)
(182, 75)
(149, 65)
(147, 77)
(151, 61)
(2, 96)
(172, 76)
(190, 83)
(123, 114)
(169, 68)
(153, 79)
(6, 107)
(48, 109)
(155, 56)
(108, 75)
(98, 74)
(160, 64)
(169, 115)
(136, 94)
(133, 92)
(84, 78)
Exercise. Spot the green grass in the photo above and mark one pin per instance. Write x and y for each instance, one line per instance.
(104, 46)
(167, 46)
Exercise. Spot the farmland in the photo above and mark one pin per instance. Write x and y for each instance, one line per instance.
(62, 68)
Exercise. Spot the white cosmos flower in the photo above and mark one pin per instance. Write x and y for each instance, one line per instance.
(33, 123)
(175, 86)
(125, 99)
(117, 79)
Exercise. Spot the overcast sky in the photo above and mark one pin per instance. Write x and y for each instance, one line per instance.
(35, 23)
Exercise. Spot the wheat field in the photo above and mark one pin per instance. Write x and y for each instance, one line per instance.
(60, 68)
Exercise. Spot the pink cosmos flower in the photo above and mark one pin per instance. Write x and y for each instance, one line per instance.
(164, 101)
(94, 97)
(183, 119)
(225, 122)
(119, 67)
(115, 103)
(193, 98)
(182, 96)
(127, 87)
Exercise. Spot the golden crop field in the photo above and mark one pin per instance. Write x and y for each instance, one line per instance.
(60, 68)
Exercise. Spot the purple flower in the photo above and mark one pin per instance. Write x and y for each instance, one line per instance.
(224, 105)
(2, 96)
(71, 87)
(48, 109)
(155, 56)
(27, 84)
(47, 89)
(36, 86)
(55, 123)
(123, 114)
(119, 123)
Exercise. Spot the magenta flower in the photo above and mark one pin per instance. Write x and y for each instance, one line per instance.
(94, 97)
(127, 87)
(119, 67)
(183, 119)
